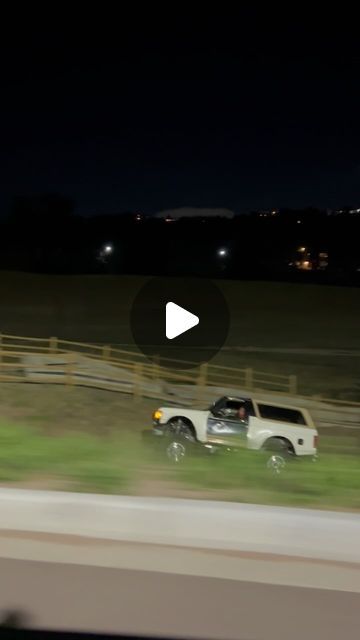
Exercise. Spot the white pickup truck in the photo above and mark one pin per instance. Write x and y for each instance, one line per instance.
(239, 422)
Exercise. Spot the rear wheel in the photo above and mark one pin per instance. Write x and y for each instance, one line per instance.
(281, 450)
(276, 463)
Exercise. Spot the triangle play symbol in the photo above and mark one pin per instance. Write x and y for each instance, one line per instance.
(178, 320)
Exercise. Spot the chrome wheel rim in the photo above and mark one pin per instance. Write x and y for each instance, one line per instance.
(276, 463)
(178, 427)
(175, 451)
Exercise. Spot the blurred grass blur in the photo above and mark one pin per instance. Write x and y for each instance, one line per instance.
(332, 482)
(76, 461)
(81, 439)
(118, 462)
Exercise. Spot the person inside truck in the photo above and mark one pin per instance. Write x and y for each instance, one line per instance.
(242, 415)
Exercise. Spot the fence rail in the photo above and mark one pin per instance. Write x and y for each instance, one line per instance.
(29, 359)
(214, 375)
(54, 361)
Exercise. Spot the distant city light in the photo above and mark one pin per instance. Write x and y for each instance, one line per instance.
(222, 252)
(108, 248)
(302, 249)
(298, 221)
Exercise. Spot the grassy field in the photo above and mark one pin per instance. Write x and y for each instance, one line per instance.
(77, 439)
(333, 482)
(86, 440)
(96, 308)
(275, 315)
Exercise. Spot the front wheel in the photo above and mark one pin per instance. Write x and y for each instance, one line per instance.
(182, 428)
(175, 451)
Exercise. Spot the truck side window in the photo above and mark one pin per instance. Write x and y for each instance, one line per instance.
(283, 414)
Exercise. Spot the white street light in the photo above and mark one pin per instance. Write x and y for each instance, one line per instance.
(105, 252)
(222, 252)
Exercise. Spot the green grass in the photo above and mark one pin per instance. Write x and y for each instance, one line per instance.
(333, 481)
(89, 440)
(119, 463)
(79, 460)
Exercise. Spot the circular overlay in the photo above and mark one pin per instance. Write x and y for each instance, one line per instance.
(152, 316)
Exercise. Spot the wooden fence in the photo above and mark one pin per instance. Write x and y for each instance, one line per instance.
(54, 361)
(63, 359)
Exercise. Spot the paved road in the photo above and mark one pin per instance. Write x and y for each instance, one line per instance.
(69, 596)
(305, 533)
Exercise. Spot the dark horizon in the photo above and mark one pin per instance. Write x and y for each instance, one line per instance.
(76, 210)
(256, 116)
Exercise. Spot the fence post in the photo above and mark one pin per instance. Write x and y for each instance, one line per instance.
(106, 352)
(249, 378)
(156, 368)
(53, 344)
(201, 381)
(138, 374)
(69, 369)
(293, 385)
(203, 374)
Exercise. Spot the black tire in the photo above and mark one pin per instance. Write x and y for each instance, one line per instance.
(181, 439)
(280, 446)
(181, 429)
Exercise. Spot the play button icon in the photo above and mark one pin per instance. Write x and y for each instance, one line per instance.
(179, 323)
(178, 320)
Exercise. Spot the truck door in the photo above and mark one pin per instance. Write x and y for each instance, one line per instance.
(228, 424)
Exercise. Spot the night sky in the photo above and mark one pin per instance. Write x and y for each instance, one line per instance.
(243, 113)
